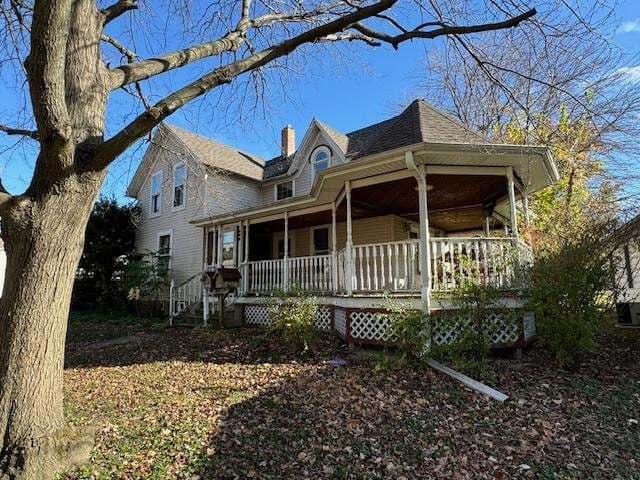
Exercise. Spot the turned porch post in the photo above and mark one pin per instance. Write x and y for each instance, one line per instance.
(246, 258)
(425, 252)
(334, 253)
(349, 245)
(219, 254)
(512, 202)
(285, 259)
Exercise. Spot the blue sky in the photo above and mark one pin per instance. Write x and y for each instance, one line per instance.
(345, 95)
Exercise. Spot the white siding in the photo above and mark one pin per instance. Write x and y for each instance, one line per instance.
(629, 292)
(221, 192)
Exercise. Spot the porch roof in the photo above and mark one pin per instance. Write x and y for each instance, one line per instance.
(533, 166)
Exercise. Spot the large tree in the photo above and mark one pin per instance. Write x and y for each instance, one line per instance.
(55, 48)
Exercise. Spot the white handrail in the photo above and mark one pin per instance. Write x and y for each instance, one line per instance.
(182, 296)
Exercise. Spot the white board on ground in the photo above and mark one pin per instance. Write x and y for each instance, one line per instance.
(468, 381)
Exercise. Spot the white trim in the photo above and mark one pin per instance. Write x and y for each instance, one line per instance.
(382, 158)
(184, 187)
(275, 190)
(229, 227)
(313, 228)
(153, 214)
(312, 161)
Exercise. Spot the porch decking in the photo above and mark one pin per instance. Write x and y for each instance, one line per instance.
(393, 267)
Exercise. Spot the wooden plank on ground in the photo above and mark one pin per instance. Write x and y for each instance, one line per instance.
(468, 381)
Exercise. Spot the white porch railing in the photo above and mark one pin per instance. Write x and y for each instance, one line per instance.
(263, 276)
(492, 261)
(182, 296)
(312, 273)
(379, 267)
(395, 267)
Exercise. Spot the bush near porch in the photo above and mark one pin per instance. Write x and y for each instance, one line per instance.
(195, 404)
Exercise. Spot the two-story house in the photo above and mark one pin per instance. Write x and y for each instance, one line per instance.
(408, 208)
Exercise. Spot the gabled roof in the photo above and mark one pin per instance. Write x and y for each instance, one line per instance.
(218, 155)
(418, 123)
(214, 155)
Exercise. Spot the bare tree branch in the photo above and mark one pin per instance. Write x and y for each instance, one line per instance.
(230, 42)
(395, 40)
(114, 42)
(222, 75)
(19, 131)
(114, 11)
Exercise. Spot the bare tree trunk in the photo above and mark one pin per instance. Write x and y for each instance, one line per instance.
(43, 233)
(44, 241)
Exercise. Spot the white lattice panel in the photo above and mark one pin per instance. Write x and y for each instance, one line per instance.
(529, 326)
(446, 332)
(257, 315)
(340, 321)
(371, 326)
(502, 328)
(323, 318)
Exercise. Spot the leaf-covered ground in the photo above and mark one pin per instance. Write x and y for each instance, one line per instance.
(195, 404)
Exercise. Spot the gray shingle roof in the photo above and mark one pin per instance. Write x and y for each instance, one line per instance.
(219, 155)
(419, 122)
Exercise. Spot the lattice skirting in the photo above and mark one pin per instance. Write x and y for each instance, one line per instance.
(503, 328)
(373, 326)
(258, 315)
(340, 321)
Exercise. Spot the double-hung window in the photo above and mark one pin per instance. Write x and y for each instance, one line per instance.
(156, 194)
(284, 190)
(179, 185)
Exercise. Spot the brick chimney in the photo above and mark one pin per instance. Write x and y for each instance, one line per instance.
(288, 141)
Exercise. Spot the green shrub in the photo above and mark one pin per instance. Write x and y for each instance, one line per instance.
(476, 302)
(293, 319)
(568, 283)
(412, 330)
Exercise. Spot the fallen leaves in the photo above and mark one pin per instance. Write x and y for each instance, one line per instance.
(233, 404)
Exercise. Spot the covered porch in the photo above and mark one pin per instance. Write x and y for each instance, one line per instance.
(414, 232)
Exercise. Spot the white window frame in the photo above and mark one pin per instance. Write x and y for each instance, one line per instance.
(153, 214)
(233, 227)
(184, 188)
(165, 233)
(328, 226)
(312, 159)
(275, 190)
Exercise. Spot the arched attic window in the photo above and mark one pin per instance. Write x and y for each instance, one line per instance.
(320, 159)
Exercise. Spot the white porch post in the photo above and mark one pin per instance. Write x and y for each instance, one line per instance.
(512, 202)
(334, 252)
(525, 206)
(205, 305)
(245, 274)
(349, 245)
(485, 225)
(425, 253)
(240, 253)
(285, 260)
(219, 254)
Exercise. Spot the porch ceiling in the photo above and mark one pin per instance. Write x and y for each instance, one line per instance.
(454, 203)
